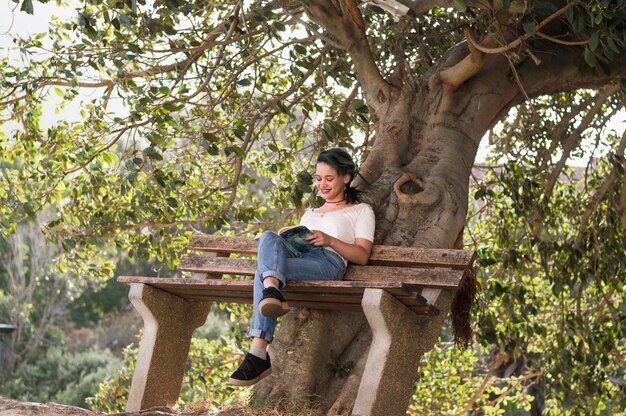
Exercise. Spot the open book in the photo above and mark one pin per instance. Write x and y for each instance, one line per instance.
(294, 236)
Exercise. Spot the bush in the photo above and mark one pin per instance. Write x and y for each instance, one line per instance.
(61, 376)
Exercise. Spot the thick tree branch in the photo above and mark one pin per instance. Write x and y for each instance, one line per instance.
(348, 27)
(480, 53)
(456, 75)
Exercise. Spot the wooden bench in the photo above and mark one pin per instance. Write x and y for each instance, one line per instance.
(398, 285)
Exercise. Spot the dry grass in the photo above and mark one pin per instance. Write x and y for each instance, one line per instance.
(286, 407)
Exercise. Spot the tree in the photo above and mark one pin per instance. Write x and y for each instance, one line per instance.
(33, 296)
(221, 97)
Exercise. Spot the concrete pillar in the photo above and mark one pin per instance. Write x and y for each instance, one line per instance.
(391, 368)
(169, 322)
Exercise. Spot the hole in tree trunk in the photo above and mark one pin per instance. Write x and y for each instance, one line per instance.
(411, 188)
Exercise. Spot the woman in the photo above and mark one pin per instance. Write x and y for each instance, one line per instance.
(342, 232)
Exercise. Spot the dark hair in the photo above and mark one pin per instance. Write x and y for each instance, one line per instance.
(342, 162)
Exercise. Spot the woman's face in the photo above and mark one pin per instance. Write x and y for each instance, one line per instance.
(330, 185)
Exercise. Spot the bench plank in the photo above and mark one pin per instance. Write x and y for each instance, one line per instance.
(437, 278)
(340, 295)
(381, 255)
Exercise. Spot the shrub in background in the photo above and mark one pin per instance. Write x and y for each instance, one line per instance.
(61, 376)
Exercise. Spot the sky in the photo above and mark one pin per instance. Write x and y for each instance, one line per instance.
(15, 21)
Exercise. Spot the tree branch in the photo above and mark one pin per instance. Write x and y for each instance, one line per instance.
(561, 42)
(557, 131)
(502, 358)
(348, 27)
(516, 42)
(193, 54)
(574, 138)
(420, 7)
(456, 75)
(607, 184)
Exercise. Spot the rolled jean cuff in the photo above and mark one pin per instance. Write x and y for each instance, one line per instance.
(258, 333)
(277, 275)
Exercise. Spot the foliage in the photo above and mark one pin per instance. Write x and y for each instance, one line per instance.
(243, 91)
(556, 305)
(61, 376)
(338, 368)
(453, 382)
(32, 294)
(111, 395)
(551, 323)
(141, 170)
(553, 251)
(95, 303)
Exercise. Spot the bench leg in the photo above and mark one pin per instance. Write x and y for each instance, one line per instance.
(169, 322)
(391, 368)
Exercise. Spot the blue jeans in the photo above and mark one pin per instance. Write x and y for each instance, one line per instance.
(274, 259)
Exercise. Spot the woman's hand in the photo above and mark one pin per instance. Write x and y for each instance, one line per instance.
(358, 253)
(319, 239)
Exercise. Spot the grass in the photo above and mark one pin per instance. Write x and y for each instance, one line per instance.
(297, 406)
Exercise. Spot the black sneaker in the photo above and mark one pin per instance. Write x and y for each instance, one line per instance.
(273, 304)
(252, 370)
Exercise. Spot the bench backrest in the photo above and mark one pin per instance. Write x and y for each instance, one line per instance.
(436, 268)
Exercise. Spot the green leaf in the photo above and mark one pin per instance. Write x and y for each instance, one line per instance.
(172, 202)
(234, 149)
(27, 6)
(529, 25)
(598, 19)
(152, 153)
(124, 19)
(612, 44)
(590, 58)
(460, 5)
(594, 41)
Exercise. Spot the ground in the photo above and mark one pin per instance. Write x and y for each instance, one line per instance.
(10, 407)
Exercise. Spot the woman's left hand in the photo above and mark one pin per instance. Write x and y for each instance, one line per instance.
(319, 239)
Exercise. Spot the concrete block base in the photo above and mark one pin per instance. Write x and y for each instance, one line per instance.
(393, 360)
(169, 322)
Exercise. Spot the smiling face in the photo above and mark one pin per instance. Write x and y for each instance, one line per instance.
(330, 185)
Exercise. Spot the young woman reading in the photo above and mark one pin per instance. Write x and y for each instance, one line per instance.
(342, 232)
